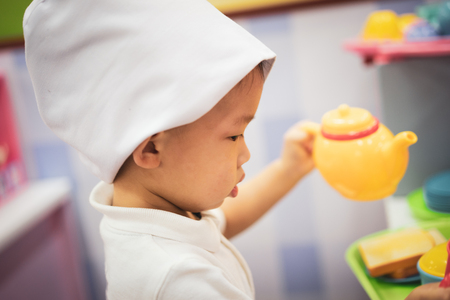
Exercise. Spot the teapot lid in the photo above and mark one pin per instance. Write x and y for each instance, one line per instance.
(346, 123)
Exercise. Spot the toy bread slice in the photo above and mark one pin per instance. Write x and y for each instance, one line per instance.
(403, 273)
(388, 253)
(437, 236)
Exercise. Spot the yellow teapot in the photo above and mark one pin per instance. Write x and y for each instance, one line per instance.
(357, 155)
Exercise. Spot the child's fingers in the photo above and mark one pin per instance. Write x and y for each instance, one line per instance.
(302, 131)
(294, 134)
(309, 145)
(299, 138)
(309, 127)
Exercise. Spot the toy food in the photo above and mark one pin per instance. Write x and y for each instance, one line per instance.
(412, 271)
(419, 31)
(406, 20)
(429, 12)
(433, 263)
(403, 273)
(398, 250)
(382, 25)
(437, 236)
(357, 155)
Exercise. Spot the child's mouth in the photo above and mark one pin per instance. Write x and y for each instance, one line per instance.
(234, 192)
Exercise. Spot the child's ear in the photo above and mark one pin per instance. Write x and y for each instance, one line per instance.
(146, 155)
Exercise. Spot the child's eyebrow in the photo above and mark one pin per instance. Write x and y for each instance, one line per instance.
(244, 119)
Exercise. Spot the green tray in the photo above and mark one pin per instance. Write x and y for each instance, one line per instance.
(380, 290)
(419, 209)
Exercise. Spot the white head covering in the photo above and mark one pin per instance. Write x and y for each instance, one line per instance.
(109, 73)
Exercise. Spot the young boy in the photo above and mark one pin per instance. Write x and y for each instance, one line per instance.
(156, 96)
(161, 232)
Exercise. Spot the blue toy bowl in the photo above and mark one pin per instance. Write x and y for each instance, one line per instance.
(427, 278)
(437, 192)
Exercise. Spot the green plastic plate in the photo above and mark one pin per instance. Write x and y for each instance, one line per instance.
(380, 290)
(420, 210)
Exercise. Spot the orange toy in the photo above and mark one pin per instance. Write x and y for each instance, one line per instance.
(398, 250)
(381, 26)
(357, 155)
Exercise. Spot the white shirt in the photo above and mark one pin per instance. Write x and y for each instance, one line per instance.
(154, 254)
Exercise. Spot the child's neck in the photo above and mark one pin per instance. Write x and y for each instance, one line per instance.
(128, 194)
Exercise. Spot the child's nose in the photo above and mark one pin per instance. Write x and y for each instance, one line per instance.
(244, 154)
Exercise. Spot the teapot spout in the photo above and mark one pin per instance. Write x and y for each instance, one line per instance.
(401, 142)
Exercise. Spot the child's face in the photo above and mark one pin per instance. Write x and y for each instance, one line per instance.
(201, 162)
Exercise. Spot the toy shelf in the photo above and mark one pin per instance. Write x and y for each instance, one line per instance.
(385, 52)
(30, 206)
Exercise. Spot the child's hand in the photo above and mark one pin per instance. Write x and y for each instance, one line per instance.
(430, 291)
(298, 147)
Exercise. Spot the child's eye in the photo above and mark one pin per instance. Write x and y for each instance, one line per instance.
(235, 137)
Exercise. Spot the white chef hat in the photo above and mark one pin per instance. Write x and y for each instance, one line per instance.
(107, 74)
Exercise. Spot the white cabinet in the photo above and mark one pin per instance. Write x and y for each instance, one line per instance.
(415, 96)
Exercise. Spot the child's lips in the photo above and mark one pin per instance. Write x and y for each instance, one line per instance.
(234, 192)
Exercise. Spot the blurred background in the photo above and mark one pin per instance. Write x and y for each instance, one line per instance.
(296, 251)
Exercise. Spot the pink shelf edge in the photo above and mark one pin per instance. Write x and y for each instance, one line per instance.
(386, 52)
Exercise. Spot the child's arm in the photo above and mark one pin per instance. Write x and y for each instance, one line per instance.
(258, 195)
(430, 291)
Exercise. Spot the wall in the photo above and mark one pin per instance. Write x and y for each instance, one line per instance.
(11, 13)
(297, 250)
(415, 97)
(46, 156)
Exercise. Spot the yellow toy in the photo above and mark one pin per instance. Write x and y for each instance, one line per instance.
(382, 25)
(357, 155)
(434, 261)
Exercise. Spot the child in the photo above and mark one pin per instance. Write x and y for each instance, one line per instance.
(156, 96)
(180, 176)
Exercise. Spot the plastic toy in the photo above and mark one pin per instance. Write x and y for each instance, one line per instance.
(357, 155)
(419, 209)
(429, 12)
(432, 264)
(443, 18)
(406, 20)
(387, 37)
(437, 14)
(437, 192)
(380, 290)
(420, 31)
(392, 252)
(445, 283)
(382, 25)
